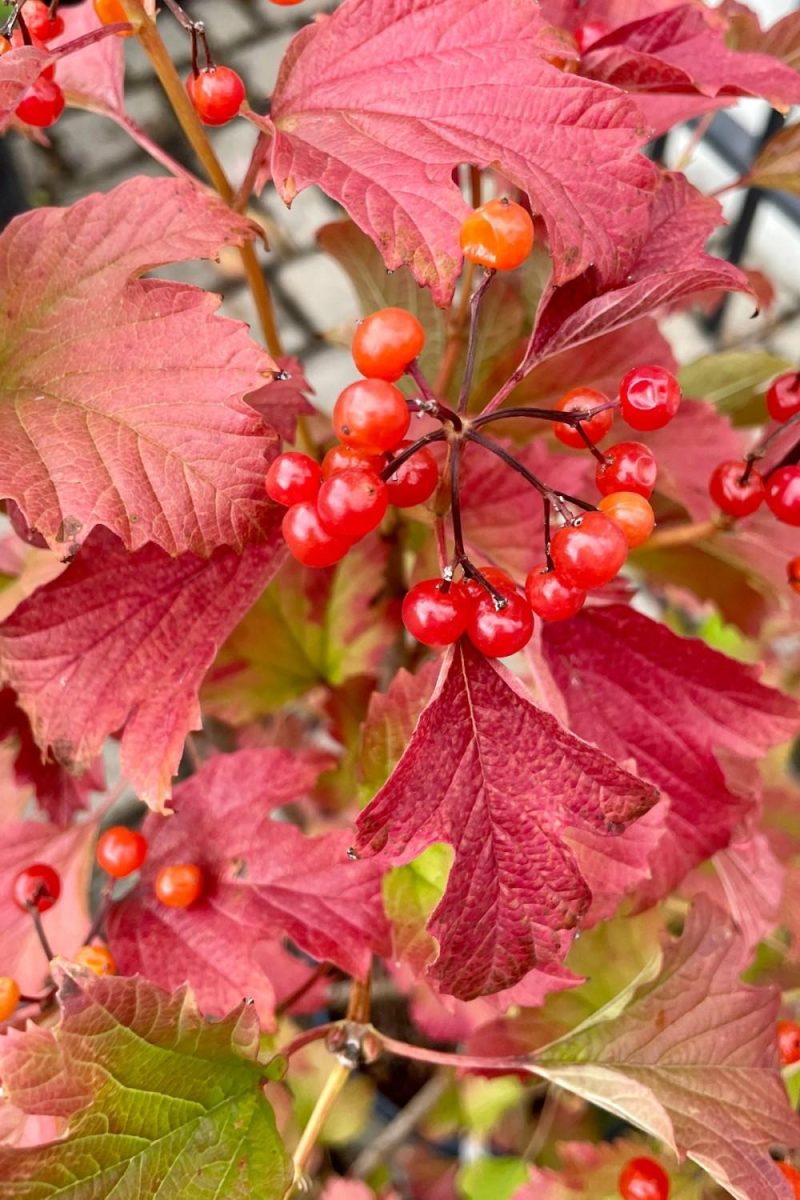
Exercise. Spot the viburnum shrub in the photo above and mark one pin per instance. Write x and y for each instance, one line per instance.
(303, 889)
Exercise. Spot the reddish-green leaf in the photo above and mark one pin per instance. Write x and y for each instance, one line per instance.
(135, 380)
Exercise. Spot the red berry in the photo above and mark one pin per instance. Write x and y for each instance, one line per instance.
(590, 32)
(42, 104)
(352, 503)
(643, 1179)
(589, 552)
(500, 580)
(37, 885)
(595, 428)
(386, 342)
(788, 1042)
(498, 234)
(415, 480)
(499, 632)
(308, 539)
(120, 851)
(9, 996)
(628, 467)
(372, 415)
(111, 12)
(43, 27)
(783, 494)
(649, 397)
(792, 1174)
(783, 396)
(551, 599)
(793, 573)
(340, 458)
(633, 513)
(179, 885)
(217, 94)
(730, 495)
(434, 616)
(293, 478)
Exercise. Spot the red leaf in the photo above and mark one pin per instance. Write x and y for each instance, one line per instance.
(136, 380)
(379, 103)
(264, 879)
(143, 630)
(19, 68)
(502, 781)
(281, 402)
(68, 851)
(672, 264)
(93, 78)
(59, 794)
(688, 449)
(639, 691)
(677, 49)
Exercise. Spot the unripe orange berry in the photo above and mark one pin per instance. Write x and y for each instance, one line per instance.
(633, 513)
(498, 235)
(9, 997)
(96, 958)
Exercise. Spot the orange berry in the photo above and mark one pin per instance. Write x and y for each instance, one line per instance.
(632, 512)
(96, 958)
(498, 235)
(9, 997)
(179, 885)
(793, 573)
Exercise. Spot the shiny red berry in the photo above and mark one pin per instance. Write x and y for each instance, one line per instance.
(217, 94)
(498, 234)
(499, 632)
(41, 25)
(500, 580)
(589, 552)
(42, 104)
(435, 616)
(120, 851)
(308, 539)
(179, 885)
(633, 513)
(371, 414)
(643, 1179)
(730, 494)
(596, 428)
(37, 885)
(549, 597)
(590, 32)
(783, 494)
(628, 467)
(415, 480)
(352, 503)
(292, 478)
(788, 1042)
(385, 343)
(783, 396)
(649, 397)
(340, 458)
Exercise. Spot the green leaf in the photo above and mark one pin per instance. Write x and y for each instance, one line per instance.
(410, 894)
(734, 381)
(491, 1178)
(376, 287)
(778, 164)
(161, 1102)
(309, 627)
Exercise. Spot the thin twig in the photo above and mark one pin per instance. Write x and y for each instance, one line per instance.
(472, 342)
(381, 1148)
(103, 909)
(44, 941)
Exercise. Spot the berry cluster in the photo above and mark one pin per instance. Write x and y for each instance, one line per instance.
(333, 505)
(120, 852)
(738, 489)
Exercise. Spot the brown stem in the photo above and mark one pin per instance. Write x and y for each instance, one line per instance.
(437, 435)
(153, 46)
(472, 341)
(103, 909)
(245, 189)
(44, 941)
(380, 1149)
(682, 535)
(444, 1058)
